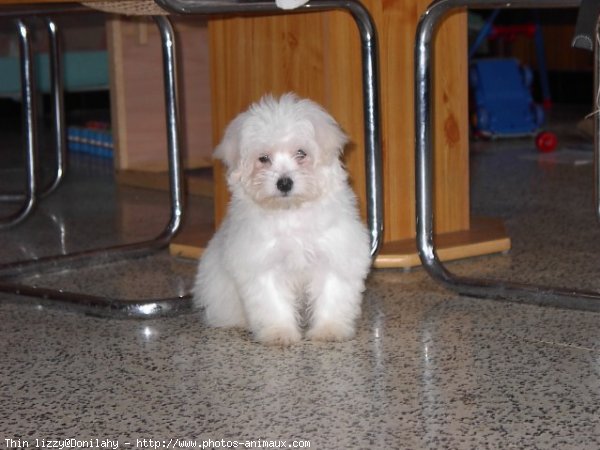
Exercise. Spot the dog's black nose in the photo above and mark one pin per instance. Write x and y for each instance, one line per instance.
(284, 184)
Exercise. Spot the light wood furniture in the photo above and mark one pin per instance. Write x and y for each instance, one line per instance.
(317, 55)
(137, 105)
(137, 102)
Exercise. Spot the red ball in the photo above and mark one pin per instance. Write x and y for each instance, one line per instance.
(546, 141)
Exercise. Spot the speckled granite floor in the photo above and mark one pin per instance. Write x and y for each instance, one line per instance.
(427, 370)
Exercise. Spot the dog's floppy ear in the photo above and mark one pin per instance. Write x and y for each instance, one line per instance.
(229, 150)
(328, 134)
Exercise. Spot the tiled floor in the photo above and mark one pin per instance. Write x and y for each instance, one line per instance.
(427, 370)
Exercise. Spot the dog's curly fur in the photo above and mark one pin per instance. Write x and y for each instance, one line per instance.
(292, 248)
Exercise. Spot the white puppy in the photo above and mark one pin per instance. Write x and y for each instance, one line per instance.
(291, 249)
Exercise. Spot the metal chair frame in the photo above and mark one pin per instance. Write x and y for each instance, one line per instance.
(150, 308)
(370, 79)
(105, 306)
(32, 193)
(484, 288)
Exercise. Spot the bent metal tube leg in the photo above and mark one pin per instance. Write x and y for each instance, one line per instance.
(486, 288)
(29, 113)
(106, 306)
(58, 110)
(370, 81)
(58, 122)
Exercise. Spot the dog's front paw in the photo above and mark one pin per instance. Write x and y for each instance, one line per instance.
(330, 331)
(278, 335)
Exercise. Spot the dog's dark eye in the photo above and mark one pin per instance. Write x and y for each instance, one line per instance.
(300, 154)
(264, 159)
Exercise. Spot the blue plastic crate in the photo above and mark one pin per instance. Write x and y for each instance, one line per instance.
(501, 100)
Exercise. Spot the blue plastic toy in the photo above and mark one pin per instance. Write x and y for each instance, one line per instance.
(502, 101)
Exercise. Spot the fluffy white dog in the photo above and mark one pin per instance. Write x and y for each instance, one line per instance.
(291, 250)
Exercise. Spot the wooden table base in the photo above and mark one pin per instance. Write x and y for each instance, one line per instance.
(485, 236)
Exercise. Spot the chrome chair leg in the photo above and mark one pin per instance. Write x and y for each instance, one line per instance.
(370, 80)
(58, 115)
(29, 113)
(596, 118)
(59, 134)
(484, 288)
(106, 306)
